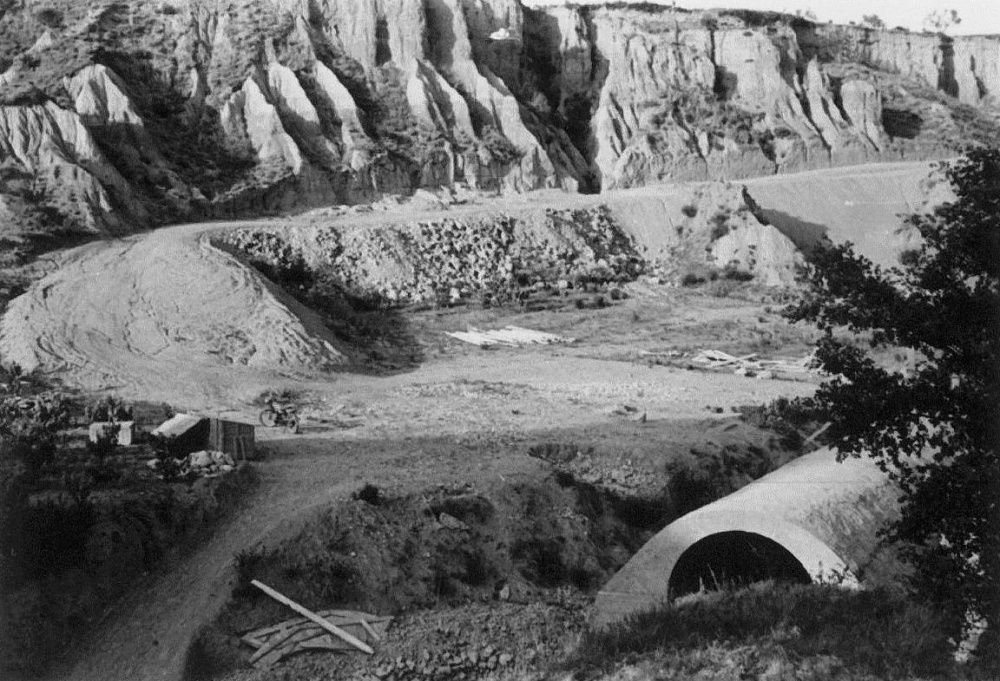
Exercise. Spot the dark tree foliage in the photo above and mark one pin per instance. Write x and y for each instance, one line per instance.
(944, 304)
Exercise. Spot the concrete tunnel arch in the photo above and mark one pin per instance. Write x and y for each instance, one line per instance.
(815, 519)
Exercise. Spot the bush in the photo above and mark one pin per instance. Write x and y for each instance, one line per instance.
(498, 148)
(734, 274)
(705, 475)
(720, 225)
(106, 443)
(50, 18)
(909, 257)
(875, 632)
(785, 417)
(370, 494)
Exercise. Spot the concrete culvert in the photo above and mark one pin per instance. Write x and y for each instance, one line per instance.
(814, 519)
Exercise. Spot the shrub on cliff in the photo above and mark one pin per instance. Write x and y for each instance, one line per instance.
(944, 304)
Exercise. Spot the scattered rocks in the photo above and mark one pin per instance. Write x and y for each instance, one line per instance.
(493, 259)
(472, 642)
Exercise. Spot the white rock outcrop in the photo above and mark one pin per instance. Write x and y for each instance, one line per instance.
(53, 145)
(248, 112)
(99, 97)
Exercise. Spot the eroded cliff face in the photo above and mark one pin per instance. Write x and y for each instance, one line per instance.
(114, 117)
(677, 95)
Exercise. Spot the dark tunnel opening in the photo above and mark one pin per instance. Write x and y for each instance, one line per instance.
(732, 559)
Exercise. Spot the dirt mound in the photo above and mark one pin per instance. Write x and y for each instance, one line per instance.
(166, 309)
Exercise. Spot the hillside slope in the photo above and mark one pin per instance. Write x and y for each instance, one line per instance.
(115, 116)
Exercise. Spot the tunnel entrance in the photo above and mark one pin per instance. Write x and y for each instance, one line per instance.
(729, 559)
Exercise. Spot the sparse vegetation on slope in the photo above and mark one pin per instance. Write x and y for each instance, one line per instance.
(773, 630)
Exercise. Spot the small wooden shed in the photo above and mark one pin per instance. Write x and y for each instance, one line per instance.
(187, 433)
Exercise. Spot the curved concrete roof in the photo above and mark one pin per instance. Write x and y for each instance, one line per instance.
(826, 514)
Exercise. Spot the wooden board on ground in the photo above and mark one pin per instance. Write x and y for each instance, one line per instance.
(510, 335)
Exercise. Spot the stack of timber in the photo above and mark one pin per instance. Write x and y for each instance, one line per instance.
(752, 365)
(277, 642)
(342, 630)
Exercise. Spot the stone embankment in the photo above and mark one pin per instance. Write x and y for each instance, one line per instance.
(489, 258)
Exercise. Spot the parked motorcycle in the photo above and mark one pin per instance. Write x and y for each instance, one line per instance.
(280, 414)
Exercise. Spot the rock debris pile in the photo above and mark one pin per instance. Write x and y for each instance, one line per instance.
(492, 259)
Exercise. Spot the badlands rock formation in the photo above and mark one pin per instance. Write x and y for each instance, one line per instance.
(115, 116)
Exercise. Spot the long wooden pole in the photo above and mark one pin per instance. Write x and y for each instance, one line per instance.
(310, 615)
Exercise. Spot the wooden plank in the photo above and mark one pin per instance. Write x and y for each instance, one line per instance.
(309, 614)
(286, 647)
(257, 637)
(819, 431)
(273, 642)
(734, 360)
(324, 642)
(371, 631)
(264, 636)
(365, 620)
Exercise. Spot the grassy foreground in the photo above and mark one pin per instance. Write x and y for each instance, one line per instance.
(777, 631)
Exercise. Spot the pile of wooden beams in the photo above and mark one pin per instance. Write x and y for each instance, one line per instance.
(753, 365)
(336, 630)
